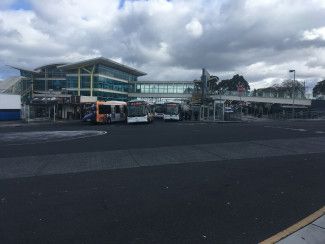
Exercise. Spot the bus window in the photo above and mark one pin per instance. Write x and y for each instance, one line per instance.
(104, 109)
(117, 109)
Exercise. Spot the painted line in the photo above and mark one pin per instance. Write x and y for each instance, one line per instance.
(319, 132)
(286, 128)
(293, 129)
(100, 133)
(294, 228)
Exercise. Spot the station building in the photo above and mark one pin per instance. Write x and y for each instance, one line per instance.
(67, 86)
(99, 77)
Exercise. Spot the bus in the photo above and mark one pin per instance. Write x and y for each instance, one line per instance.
(139, 112)
(107, 112)
(159, 110)
(173, 111)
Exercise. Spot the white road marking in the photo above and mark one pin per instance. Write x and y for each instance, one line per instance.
(286, 128)
(34, 137)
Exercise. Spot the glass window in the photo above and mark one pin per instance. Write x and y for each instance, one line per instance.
(104, 70)
(72, 82)
(170, 88)
(104, 109)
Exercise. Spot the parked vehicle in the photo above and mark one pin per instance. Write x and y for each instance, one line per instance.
(139, 112)
(159, 110)
(173, 111)
(107, 112)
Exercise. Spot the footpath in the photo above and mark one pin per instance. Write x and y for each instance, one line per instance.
(309, 230)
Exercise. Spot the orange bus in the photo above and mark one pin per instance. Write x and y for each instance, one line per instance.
(110, 112)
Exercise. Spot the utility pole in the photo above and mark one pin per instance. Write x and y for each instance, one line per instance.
(293, 92)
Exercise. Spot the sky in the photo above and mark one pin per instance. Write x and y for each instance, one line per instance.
(170, 40)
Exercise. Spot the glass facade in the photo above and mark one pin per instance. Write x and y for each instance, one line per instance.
(108, 96)
(107, 71)
(39, 85)
(72, 81)
(172, 88)
(56, 85)
(53, 72)
(108, 83)
(114, 85)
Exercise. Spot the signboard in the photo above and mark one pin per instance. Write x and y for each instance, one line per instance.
(240, 89)
(88, 99)
(172, 104)
(136, 103)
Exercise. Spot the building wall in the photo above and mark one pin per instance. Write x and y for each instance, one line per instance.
(10, 107)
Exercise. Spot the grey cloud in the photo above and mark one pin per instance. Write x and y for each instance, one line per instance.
(232, 39)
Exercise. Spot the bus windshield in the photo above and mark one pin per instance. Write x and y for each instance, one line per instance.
(135, 110)
(172, 109)
(159, 108)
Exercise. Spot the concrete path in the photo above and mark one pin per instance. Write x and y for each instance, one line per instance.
(14, 167)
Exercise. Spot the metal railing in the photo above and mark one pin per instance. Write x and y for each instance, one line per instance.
(254, 94)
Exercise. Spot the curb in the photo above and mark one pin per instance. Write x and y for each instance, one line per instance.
(294, 228)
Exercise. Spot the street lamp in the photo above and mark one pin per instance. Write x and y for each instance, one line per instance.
(293, 92)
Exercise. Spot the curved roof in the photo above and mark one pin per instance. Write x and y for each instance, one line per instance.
(104, 61)
(49, 65)
(24, 69)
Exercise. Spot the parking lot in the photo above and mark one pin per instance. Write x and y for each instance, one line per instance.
(181, 182)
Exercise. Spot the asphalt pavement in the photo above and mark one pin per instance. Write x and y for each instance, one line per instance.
(158, 183)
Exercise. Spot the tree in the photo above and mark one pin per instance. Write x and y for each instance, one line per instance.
(213, 83)
(286, 88)
(289, 87)
(319, 89)
(197, 86)
(232, 84)
(188, 90)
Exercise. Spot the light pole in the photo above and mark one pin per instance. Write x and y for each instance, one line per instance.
(293, 92)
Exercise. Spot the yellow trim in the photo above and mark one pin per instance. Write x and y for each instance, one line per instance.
(78, 81)
(86, 70)
(92, 81)
(301, 224)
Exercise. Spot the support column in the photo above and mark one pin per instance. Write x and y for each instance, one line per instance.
(214, 110)
(78, 81)
(54, 113)
(46, 85)
(92, 81)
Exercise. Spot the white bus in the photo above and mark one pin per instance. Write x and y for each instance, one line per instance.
(173, 111)
(139, 112)
(159, 110)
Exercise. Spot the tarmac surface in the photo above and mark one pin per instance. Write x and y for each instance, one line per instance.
(159, 183)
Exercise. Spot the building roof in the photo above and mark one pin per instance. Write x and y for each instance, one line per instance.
(162, 82)
(49, 65)
(24, 69)
(104, 61)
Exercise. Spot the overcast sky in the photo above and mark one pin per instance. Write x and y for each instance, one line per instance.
(172, 40)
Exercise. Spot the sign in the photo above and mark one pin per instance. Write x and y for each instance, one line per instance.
(87, 99)
(172, 104)
(136, 103)
(240, 88)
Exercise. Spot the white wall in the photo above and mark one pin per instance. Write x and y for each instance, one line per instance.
(8, 101)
